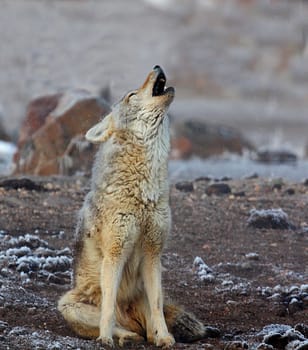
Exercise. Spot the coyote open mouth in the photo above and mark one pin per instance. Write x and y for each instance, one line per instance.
(159, 87)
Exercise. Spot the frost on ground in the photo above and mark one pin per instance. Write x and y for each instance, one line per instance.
(32, 257)
(228, 278)
(25, 338)
(269, 218)
(281, 336)
(203, 271)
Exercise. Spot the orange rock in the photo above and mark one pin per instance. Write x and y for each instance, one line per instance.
(55, 124)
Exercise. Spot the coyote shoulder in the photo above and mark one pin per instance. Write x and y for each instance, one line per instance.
(123, 226)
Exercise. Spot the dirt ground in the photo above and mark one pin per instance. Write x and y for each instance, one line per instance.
(249, 278)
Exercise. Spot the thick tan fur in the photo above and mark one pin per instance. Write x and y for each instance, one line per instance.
(123, 226)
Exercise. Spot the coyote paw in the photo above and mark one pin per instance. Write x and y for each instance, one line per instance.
(165, 342)
(106, 341)
(130, 338)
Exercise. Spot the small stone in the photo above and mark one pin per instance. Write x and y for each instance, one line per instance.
(239, 194)
(252, 176)
(224, 178)
(276, 157)
(234, 345)
(208, 346)
(275, 297)
(252, 256)
(278, 288)
(293, 334)
(277, 186)
(302, 345)
(276, 340)
(264, 346)
(3, 326)
(212, 332)
(290, 191)
(25, 183)
(18, 331)
(294, 306)
(184, 186)
(55, 279)
(218, 189)
(304, 288)
(293, 289)
(203, 179)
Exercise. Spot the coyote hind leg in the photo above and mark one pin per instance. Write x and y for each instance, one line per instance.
(82, 318)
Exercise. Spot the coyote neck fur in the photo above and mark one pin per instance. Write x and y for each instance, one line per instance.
(146, 177)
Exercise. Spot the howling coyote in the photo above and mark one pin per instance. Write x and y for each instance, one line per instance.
(123, 226)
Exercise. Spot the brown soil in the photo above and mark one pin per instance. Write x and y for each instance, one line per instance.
(239, 298)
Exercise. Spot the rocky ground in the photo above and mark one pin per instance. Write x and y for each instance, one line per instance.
(236, 257)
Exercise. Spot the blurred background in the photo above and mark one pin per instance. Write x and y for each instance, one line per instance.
(240, 69)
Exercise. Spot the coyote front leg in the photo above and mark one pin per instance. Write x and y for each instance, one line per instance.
(114, 259)
(111, 271)
(157, 330)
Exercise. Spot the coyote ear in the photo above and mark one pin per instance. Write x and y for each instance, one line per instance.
(101, 131)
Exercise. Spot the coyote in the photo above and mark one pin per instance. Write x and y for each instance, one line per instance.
(123, 226)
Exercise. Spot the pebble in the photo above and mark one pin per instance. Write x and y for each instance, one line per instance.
(24, 183)
(239, 194)
(304, 288)
(18, 331)
(277, 186)
(252, 256)
(234, 345)
(275, 297)
(218, 189)
(293, 289)
(276, 157)
(212, 332)
(302, 328)
(264, 346)
(293, 334)
(290, 191)
(277, 340)
(3, 326)
(203, 179)
(184, 186)
(297, 345)
(252, 176)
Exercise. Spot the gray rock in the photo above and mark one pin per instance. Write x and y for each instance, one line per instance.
(218, 189)
(184, 186)
(269, 219)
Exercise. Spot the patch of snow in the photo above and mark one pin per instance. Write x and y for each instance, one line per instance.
(203, 271)
(32, 257)
(274, 328)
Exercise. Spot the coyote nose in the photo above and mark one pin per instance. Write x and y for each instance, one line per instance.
(157, 68)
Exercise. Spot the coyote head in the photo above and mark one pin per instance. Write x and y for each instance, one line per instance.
(141, 111)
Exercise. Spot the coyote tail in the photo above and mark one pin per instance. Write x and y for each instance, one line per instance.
(185, 327)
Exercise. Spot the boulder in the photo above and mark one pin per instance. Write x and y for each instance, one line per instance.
(52, 139)
(36, 114)
(276, 156)
(205, 140)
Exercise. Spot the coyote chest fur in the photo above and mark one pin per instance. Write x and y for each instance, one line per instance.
(123, 226)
